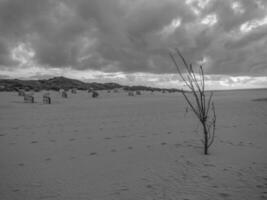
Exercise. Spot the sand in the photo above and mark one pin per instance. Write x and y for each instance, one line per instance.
(131, 148)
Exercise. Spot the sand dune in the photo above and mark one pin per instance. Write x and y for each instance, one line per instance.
(121, 147)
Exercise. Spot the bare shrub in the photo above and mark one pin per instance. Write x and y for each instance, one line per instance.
(260, 99)
(95, 94)
(199, 100)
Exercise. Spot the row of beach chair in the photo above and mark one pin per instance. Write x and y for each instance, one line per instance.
(29, 97)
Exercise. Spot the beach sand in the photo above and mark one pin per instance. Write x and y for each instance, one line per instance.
(131, 148)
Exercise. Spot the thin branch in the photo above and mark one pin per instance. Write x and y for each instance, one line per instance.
(191, 105)
(209, 103)
(213, 125)
(179, 72)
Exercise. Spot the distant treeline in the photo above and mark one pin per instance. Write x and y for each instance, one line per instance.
(58, 83)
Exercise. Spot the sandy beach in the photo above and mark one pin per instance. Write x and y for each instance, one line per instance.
(131, 148)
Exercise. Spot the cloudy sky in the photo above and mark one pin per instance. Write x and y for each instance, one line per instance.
(129, 41)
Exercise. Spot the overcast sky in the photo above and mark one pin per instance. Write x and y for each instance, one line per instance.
(128, 41)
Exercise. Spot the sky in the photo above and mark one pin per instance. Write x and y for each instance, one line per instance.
(129, 41)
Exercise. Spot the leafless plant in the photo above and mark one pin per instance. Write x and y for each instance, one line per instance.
(95, 94)
(199, 100)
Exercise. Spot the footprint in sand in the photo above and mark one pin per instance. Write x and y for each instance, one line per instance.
(189, 163)
(121, 136)
(21, 164)
(224, 195)
(206, 177)
(48, 159)
(209, 165)
(124, 188)
(116, 193)
(239, 174)
(34, 142)
(119, 189)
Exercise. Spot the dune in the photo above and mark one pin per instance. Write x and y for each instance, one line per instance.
(131, 147)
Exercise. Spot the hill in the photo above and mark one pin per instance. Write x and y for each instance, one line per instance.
(58, 83)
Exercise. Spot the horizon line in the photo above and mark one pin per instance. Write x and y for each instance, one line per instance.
(123, 85)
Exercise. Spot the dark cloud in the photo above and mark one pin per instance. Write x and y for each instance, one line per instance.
(134, 35)
(5, 58)
(247, 39)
